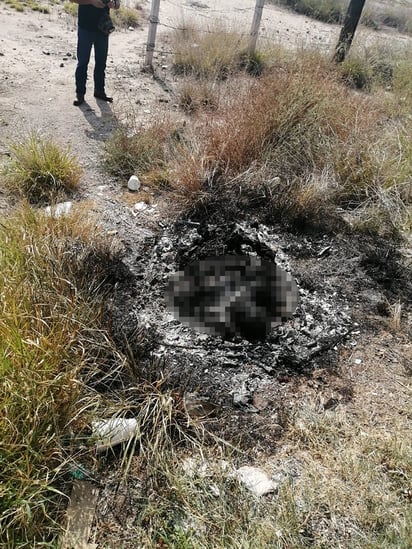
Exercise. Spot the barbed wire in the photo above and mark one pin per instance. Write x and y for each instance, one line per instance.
(205, 28)
(198, 29)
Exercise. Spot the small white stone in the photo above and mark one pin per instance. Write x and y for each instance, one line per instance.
(134, 183)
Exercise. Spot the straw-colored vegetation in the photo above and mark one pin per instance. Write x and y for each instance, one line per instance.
(396, 14)
(342, 483)
(70, 8)
(213, 55)
(298, 140)
(122, 18)
(126, 17)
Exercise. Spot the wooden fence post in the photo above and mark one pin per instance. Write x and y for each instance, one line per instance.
(255, 26)
(151, 37)
(348, 30)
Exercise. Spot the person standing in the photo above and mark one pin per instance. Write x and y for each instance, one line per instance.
(93, 28)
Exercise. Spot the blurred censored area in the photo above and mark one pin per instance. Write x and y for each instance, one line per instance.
(232, 295)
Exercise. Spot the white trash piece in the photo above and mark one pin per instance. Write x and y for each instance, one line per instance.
(110, 432)
(140, 206)
(256, 480)
(63, 208)
(134, 183)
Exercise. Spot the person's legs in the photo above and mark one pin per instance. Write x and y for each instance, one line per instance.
(101, 48)
(84, 48)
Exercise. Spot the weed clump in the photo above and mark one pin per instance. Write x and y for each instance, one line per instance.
(40, 170)
(51, 346)
(387, 14)
(70, 8)
(126, 17)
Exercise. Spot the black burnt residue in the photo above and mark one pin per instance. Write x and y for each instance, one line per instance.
(201, 346)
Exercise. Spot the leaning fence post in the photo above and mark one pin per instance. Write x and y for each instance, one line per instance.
(348, 30)
(255, 26)
(151, 37)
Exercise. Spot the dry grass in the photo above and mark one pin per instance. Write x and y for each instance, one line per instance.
(214, 53)
(70, 8)
(354, 478)
(395, 14)
(330, 11)
(297, 139)
(342, 483)
(134, 149)
(126, 17)
(195, 95)
(53, 271)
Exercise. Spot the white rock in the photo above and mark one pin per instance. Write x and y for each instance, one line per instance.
(256, 480)
(110, 432)
(134, 183)
(59, 209)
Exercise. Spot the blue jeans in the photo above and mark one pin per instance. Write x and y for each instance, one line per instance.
(85, 40)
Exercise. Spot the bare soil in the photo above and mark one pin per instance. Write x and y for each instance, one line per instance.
(343, 348)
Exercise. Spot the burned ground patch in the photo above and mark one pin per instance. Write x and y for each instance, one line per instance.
(226, 376)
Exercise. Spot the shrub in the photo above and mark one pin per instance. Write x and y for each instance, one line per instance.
(196, 95)
(384, 14)
(214, 53)
(70, 8)
(21, 5)
(357, 74)
(126, 17)
(298, 126)
(330, 11)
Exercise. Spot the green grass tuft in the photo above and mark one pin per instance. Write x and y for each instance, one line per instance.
(40, 170)
(51, 344)
(329, 11)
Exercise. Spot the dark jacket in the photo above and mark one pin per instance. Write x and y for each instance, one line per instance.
(88, 16)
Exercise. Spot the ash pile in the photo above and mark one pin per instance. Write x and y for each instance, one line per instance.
(225, 359)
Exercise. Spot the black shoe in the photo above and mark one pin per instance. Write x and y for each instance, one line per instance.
(79, 101)
(103, 96)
